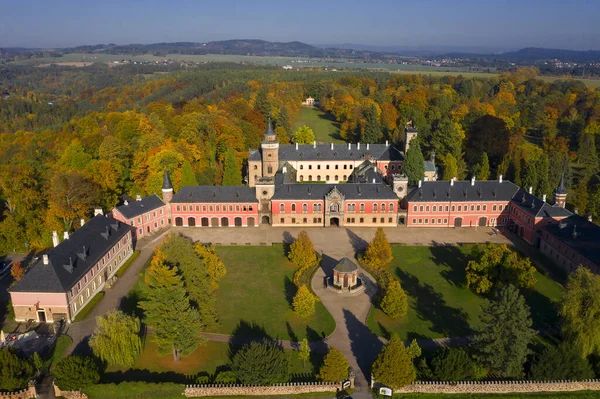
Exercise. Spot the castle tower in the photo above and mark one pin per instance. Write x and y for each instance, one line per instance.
(167, 188)
(410, 132)
(560, 194)
(270, 152)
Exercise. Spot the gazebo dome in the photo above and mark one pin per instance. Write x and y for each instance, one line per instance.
(345, 266)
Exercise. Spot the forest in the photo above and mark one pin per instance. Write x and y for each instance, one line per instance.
(75, 139)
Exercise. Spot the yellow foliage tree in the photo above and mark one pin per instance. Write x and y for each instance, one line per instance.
(304, 302)
(379, 252)
(215, 267)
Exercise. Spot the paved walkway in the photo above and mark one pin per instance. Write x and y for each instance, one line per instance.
(81, 331)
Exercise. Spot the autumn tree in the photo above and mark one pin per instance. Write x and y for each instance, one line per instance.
(371, 133)
(496, 266)
(378, 253)
(116, 339)
(232, 174)
(414, 167)
(214, 266)
(580, 311)
(395, 301)
(71, 197)
(304, 352)
(304, 135)
(335, 367)
(304, 302)
(303, 254)
(17, 271)
(393, 366)
(168, 311)
(502, 343)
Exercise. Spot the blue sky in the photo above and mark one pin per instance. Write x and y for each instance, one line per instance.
(492, 24)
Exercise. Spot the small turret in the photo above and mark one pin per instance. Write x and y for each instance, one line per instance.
(560, 193)
(270, 133)
(167, 188)
(270, 152)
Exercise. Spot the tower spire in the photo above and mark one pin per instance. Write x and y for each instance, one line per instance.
(167, 188)
(270, 133)
(560, 193)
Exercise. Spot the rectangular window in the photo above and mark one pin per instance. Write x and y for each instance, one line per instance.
(390, 220)
(362, 220)
(237, 208)
(374, 220)
(304, 220)
(382, 220)
(203, 208)
(281, 220)
(293, 220)
(155, 225)
(154, 214)
(218, 208)
(426, 221)
(140, 219)
(184, 208)
(230, 208)
(210, 208)
(141, 231)
(197, 208)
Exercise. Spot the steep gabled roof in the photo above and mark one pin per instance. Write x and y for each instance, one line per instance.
(74, 257)
(536, 207)
(351, 191)
(340, 152)
(136, 208)
(463, 191)
(199, 194)
(580, 234)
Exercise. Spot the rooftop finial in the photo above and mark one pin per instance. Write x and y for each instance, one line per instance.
(270, 133)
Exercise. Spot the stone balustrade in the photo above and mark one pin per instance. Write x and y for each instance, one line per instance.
(500, 386)
(292, 388)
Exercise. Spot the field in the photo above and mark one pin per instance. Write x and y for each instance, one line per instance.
(254, 298)
(324, 126)
(439, 303)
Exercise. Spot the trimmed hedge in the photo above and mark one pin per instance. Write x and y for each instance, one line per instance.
(123, 268)
(88, 308)
(135, 390)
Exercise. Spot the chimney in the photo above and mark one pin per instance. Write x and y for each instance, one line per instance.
(126, 202)
(55, 238)
(332, 146)
(387, 143)
(420, 183)
(590, 218)
(66, 235)
(473, 180)
(452, 182)
(284, 170)
(576, 211)
(138, 197)
(315, 144)
(500, 179)
(367, 146)
(544, 197)
(349, 146)
(45, 259)
(530, 190)
(296, 146)
(373, 180)
(358, 146)
(98, 211)
(82, 221)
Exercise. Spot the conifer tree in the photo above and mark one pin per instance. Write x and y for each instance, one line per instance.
(483, 169)
(335, 367)
(502, 344)
(378, 253)
(232, 175)
(543, 184)
(167, 310)
(371, 133)
(395, 301)
(449, 166)
(188, 176)
(588, 156)
(414, 167)
(302, 252)
(304, 302)
(393, 366)
(283, 121)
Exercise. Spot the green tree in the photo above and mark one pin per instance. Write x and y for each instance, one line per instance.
(496, 266)
(304, 302)
(283, 121)
(594, 203)
(168, 311)
(304, 352)
(502, 343)
(335, 367)
(371, 133)
(116, 339)
(483, 169)
(261, 363)
(226, 377)
(580, 311)
(378, 253)
(393, 366)
(587, 156)
(188, 176)
(262, 102)
(15, 372)
(37, 362)
(395, 301)
(449, 166)
(76, 372)
(562, 362)
(232, 174)
(304, 135)
(214, 265)
(414, 167)
(452, 364)
(543, 184)
(302, 253)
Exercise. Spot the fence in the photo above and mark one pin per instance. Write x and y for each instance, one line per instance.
(69, 394)
(292, 388)
(27, 393)
(500, 386)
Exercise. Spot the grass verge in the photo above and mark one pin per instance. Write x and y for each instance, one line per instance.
(123, 268)
(88, 308)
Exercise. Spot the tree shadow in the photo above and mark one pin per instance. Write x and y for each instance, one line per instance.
(315, 340)
(452, 257)
(364, 344)
(289, 289)
(145, 375)
(331, 119)
(129, 304)
(245, 333)
(293, 337)
(327, 265)
(385, 333)
(83, 347)
(543, 311)
(288, 239)
(431, 306)
(358, 244)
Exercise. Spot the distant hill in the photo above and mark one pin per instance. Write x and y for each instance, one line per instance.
(535, 54)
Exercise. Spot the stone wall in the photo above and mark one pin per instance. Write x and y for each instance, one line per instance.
(500, 386)
(192, 391)
(69, 394)
(23, 394)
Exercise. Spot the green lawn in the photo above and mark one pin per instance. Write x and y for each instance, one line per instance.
(439, 303)
(324, 126)
(255, 296)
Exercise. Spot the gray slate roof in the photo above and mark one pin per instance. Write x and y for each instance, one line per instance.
(308, 152)
(365, 173)
(254, 155)
(136, 208)
(429, 166)
(97, 236)
(345, 266)
(194, 194)
(463, 191)
(318, 191)
(586, 239)
(536, 207)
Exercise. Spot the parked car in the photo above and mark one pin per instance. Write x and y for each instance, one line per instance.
(5, 269)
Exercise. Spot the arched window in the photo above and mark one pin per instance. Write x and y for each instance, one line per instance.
(333, 208)
(301, 178)
(314, 207)
(349, 207)
(382, 207)
(309, 177)
(293, 207)
(281, 207)
(485, 207)
(391, 207)
(319, 207)
(327, 178)
(318, 177)
(434, 208)
(269, 169)
(336, 178)
(304, 208)
(374, 207)
(362, 207)
(353, 207)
